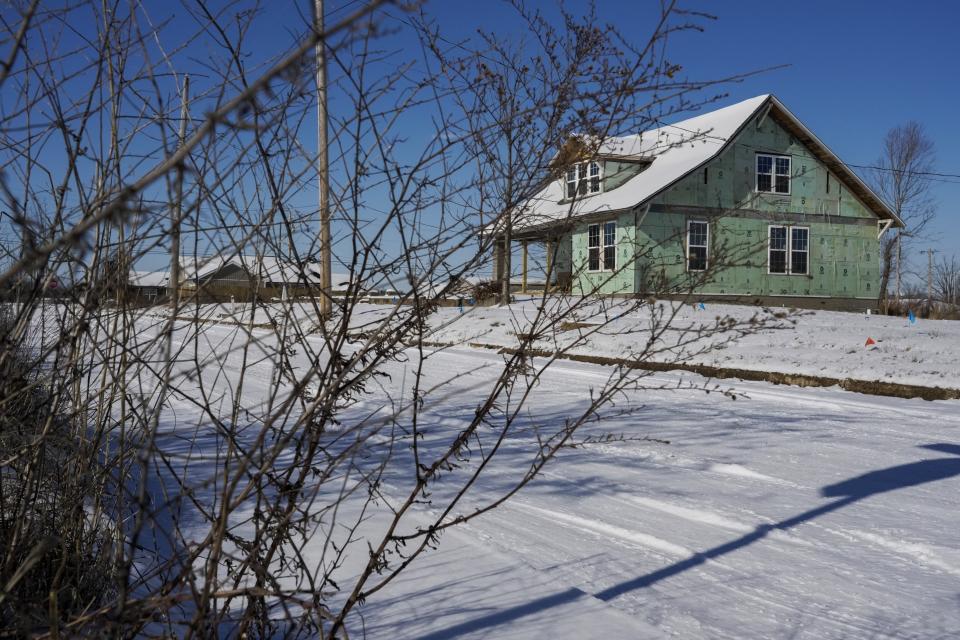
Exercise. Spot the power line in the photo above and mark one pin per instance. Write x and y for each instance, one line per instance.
(904, 171)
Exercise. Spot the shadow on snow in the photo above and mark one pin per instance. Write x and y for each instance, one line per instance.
(846, 493)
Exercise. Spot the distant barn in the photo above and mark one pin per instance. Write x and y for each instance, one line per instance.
(238, 278)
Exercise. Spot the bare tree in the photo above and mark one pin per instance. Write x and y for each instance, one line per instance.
(901, 178)
(946, 280)
(201, 466)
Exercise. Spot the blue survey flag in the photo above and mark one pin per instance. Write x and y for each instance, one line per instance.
(912, 318)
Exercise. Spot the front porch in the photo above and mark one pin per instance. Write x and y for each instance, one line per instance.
(544, 262)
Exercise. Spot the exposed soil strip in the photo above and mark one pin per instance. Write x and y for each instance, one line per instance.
(227, 322)
(871, 387)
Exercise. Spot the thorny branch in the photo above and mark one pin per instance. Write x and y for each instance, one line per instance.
(206, 453)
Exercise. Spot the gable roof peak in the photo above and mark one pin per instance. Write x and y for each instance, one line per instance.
(678, 149)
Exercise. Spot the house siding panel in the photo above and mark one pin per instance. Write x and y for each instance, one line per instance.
(843, 245)
(620, 281)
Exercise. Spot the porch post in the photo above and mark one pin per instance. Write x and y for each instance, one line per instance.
(523, 281)
(549, 246)
(497, 260)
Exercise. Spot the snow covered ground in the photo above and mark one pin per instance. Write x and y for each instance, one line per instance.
(802, 513)
(821, 343)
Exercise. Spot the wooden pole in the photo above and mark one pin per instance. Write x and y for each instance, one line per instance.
(507, 267)
(177, 212)
(323, 169)
(506, 290)
(523, 282)
(497, 261)
(898, 267)
(549, 273)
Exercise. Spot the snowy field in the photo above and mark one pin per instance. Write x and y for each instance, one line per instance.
(796, 513)
(788, 513)
(821, 343)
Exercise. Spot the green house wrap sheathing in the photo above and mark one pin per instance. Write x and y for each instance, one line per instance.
(651, 236)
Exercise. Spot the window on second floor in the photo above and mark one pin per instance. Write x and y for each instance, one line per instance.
(584, 178)
(602, 247)
(773, 174)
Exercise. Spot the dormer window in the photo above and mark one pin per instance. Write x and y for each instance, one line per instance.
(583, 179)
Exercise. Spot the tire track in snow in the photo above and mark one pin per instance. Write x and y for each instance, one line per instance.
(688, 463)
(847, 400)
(741, 471)
(931, 556)
(825, 403)
(563, 370)
(576, 372)
(795, 398)
(696, 515)
(923, 553)
(674, 553)
(607, 530)
(701, 516)
(826, 399)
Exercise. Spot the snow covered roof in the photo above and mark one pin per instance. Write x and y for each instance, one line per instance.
(267, 268)
(149, 278)
(676, 150)
(203, 267)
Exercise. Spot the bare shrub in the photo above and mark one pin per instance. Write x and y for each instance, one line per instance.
(58, 550)
(258, 467)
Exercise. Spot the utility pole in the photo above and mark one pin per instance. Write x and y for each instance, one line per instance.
(323, 169)
(176, 213)
(899, 259)
(26, 250)
(930, 253)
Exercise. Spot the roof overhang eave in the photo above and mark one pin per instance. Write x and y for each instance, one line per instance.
(834, 163)
(541, 229)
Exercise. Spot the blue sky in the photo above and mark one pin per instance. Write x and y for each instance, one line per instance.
(855, 69)
(852, 69)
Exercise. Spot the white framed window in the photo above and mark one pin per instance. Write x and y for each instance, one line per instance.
(698, 245)
(799, 250)
(584, 178)
(593, 247)
(788, 250)
(778, 250)
(572, 181)
(593, 177)
(773, 173)
(602, 247)
(609, 246)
